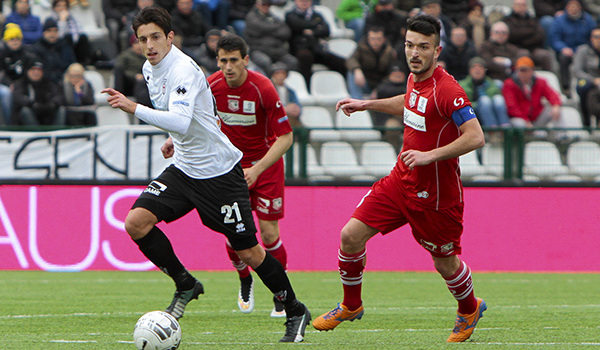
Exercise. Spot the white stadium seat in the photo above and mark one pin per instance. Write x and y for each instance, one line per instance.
(339, 159)
(378, 157)
(319, 117)
(542, 159)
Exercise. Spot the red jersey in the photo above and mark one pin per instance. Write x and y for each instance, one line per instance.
(252, 114)
(428, 122)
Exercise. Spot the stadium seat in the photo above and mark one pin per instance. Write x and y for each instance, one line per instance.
(328, 87)
(567, 178)
(583, 158)
(542, 159)
(571, 118)
(97, 80)
(553, 81)
(342, 47)
(107, 115)
(312, 165)
(339, 159)
(378, 157)
(319, 117)
(336, 30)
(296, 81)
(492, 159)
(360, 120)
(470, 166)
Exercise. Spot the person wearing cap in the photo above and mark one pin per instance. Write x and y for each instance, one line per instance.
(393, 22)
(287, 95)
(370, 63)
(206, 56)
(31, 25)
(56, 53)
(268, 36)
(524, 93)
(36, 99)
(13, 55)
(485, 95)
(570, 30)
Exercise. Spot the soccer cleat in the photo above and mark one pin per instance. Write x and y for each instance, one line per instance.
(278, 310)
(295, 327)
(182, 298)
(330, 320)
(246, 297)
(465, 324)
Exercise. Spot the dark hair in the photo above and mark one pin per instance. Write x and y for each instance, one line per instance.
(232, 42)
(426, 25)
(153, 14)
(57, 1)
(376, 29)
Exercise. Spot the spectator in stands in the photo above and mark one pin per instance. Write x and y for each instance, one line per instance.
(434, 8)
(527, 34)
(524, 93)
(127, 30)
(354, 13)
(13, 56)
(56, 54)
(37, 100)
(215, 12)
(499, 54)
(78, 97)
(476, 23)
(207, 55)
(268, 36)
(128, 72)
(237, 14)
(189, 24)
(570, 30)
(370, 63)
(457, 53)
(309, 39)
(115, 15)
(586, 69)
(456, 10)
(393, 85)
(485, 95)
(83, 3)
(287, 95)
(69, 29)
(393, 22)
(168, 5)
(30, 25)
(546, 11)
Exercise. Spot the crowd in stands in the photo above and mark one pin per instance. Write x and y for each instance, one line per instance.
(492, 53)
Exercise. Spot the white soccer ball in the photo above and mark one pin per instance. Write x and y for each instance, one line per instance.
(157, 330)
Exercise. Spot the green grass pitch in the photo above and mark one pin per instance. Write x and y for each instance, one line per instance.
(403, 310)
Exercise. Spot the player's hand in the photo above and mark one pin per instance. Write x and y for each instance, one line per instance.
(350, 105)
(167, 148)
(250, 175)
(413, 158)
(118, 100)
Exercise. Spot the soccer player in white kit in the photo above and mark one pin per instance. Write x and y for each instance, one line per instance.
(206, 174)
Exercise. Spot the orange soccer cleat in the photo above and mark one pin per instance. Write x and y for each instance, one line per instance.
(465, 324)
(331, 319)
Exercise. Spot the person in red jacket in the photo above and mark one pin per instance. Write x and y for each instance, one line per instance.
(523, 92)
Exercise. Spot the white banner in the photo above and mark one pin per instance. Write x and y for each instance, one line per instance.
(119, 152)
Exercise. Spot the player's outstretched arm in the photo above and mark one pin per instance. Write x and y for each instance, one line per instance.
(393, 105)
(117, 100)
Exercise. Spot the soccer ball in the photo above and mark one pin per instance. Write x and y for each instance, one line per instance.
(157, 330)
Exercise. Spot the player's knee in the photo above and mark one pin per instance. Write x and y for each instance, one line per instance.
(350, 240)
(138, 223)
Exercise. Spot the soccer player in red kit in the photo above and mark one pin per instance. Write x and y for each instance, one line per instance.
(424, 188)
(255, 121)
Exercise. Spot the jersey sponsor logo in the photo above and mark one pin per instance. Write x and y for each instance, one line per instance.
(155, 188)
(233, 105)
(249, 107)
(181, 90)
(181, 103)
(238, 119)
(277, 203)
(459, 101)
(412, 100)
(422, 104)
(414, 120)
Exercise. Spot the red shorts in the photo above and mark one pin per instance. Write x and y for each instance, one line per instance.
(386, 208)
(266, 194)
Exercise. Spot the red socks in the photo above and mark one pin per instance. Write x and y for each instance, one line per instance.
(239, 265)
(278, 251)
(351, 271)
(461, 287)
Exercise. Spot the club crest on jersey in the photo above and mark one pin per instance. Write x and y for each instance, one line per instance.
(412, 99)
(422, 105)
(249, 107)
(233, 105)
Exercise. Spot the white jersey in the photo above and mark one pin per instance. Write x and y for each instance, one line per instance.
(178, 86)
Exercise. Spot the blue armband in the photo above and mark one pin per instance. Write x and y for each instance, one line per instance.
(460, 116)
